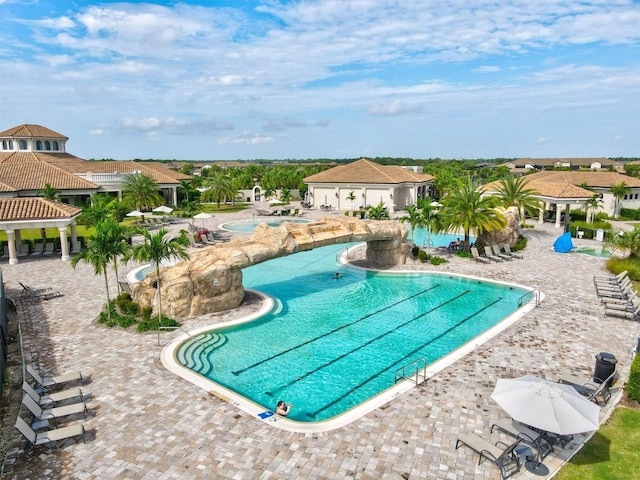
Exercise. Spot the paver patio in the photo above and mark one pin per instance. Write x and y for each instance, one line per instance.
(146, 423)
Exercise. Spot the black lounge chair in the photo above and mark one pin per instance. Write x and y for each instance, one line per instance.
(594, 388)
(502, 455)
(539, 442)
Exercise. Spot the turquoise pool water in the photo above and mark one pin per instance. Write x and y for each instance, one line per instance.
(331, 344)
(594, 252)
(247, 226)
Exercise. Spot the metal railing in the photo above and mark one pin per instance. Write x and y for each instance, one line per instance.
(536, 294)
(412, 369)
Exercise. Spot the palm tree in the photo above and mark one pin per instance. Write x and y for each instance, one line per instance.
(156, 248)
(101, 249)
(619, 190)
(467, 209)
(379, 212)
(415, 217)
(49, 192)
(100, 208)
(140, 192)
(220, 190)
(285, 196)
(513, 193)
(592, 205)
(352, 198)
(628, 241)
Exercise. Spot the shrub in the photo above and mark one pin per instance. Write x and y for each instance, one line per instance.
(630, 213)
(152, 324)
(436, 260)
(415, 250)
(633, 384)
(521, 244)
(126, 305)
(631, 265)
(146, 313)
(422, 256)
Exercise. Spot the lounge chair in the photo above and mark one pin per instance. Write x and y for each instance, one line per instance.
(498, 253)
(54, 412)
(76, 246)
(50, 381)
(623, 293)
(23, 250)
(192, 241)
(507, 251)
(536, 440)
(476, 256)
(47, 399)
(489, 254)
(48, 249)
(38, 250)
(49, 436)
(594, 389)
(611, 278)
(504, 457)
(125, 287)
(33, 294)
(631, 312)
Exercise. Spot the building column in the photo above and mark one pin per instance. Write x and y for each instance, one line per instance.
(64, 243)
(175, 197)
(558, 215)
(11, 243)
(74, 232)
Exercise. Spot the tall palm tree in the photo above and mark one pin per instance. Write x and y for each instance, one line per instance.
(156, 248)
(592, 205)
(514, 193)
(467, 209)
(140, 192)
(619, 190)
(101, 249)
(100, 208)
(285, 195)
(352, 198)
(220, 190)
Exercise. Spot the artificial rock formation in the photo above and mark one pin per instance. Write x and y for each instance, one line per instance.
(211, 280)
(509, 234)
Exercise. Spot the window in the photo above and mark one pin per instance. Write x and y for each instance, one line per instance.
(47, 145)
(55, 145)
(38, 145)
(22, 145)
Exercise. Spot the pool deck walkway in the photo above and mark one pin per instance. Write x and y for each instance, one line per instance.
(146, 423)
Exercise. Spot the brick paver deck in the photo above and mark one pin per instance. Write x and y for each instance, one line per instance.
(146, 423)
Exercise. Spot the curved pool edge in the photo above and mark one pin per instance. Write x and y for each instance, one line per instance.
(170, 362)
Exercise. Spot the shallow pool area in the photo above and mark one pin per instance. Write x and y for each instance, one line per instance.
(594, 251)
(247, 226)
(334, 347)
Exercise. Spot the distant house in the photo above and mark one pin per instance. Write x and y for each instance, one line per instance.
(526, 164)
(371, 183)
(32, 156)
(564, 190)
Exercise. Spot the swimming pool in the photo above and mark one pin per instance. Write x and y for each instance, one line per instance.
(594, 251)
(248, 226)
(333, 346)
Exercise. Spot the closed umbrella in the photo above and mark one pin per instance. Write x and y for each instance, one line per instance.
(203, 216)
(135, 213)
(548, 406)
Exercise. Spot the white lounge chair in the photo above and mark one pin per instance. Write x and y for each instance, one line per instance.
(38, 249)
(48, 249)
(507, 250)
(49, 436)
(23, 251)
(50, 381)
(496, 251)
(476, 256)
(53, 412)
(47, 399)
(489, 254)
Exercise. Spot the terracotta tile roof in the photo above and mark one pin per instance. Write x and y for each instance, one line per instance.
(35, 208)
(566, 184)
(366, 171)
(164, 170)
(26, 171)
(31, 131)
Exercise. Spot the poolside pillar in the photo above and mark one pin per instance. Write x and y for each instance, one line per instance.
(558, 215)
(11, 243)
(64, 243)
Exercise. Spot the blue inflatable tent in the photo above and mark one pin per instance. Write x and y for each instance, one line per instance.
(563, 243)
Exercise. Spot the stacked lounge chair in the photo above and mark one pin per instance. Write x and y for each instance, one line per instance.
(498, 253)
(488, 253)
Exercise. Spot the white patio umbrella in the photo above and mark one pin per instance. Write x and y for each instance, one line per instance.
(203, 216)
(549, 406)
(163, 209)
(135, 213)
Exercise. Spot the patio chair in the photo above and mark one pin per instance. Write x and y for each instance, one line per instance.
(631, 312)
(489, 254)
(125, 287)
(53, 412)
(54, 380)
(49, 436)
(38, 249)
(594, 389)
(536, 440)
(502, 455)
(507, 251)
(33, 294)
(76, 246)
(48, 249)
(52, 398)
(616, 279)
(476, 256)
(498, 253)
(23, 251)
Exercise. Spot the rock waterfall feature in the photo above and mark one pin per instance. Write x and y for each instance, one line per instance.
(211, 280)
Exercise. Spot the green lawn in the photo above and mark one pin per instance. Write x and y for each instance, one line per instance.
(613, 453)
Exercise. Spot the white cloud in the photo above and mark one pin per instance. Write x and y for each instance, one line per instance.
(487, 69)
(617, 138)
(395, 107)
(246, 138)
(541, 140)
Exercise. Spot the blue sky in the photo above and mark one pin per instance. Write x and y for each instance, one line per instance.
(240, 79)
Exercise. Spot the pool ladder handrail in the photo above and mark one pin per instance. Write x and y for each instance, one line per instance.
(536, 294)
(415, 366)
